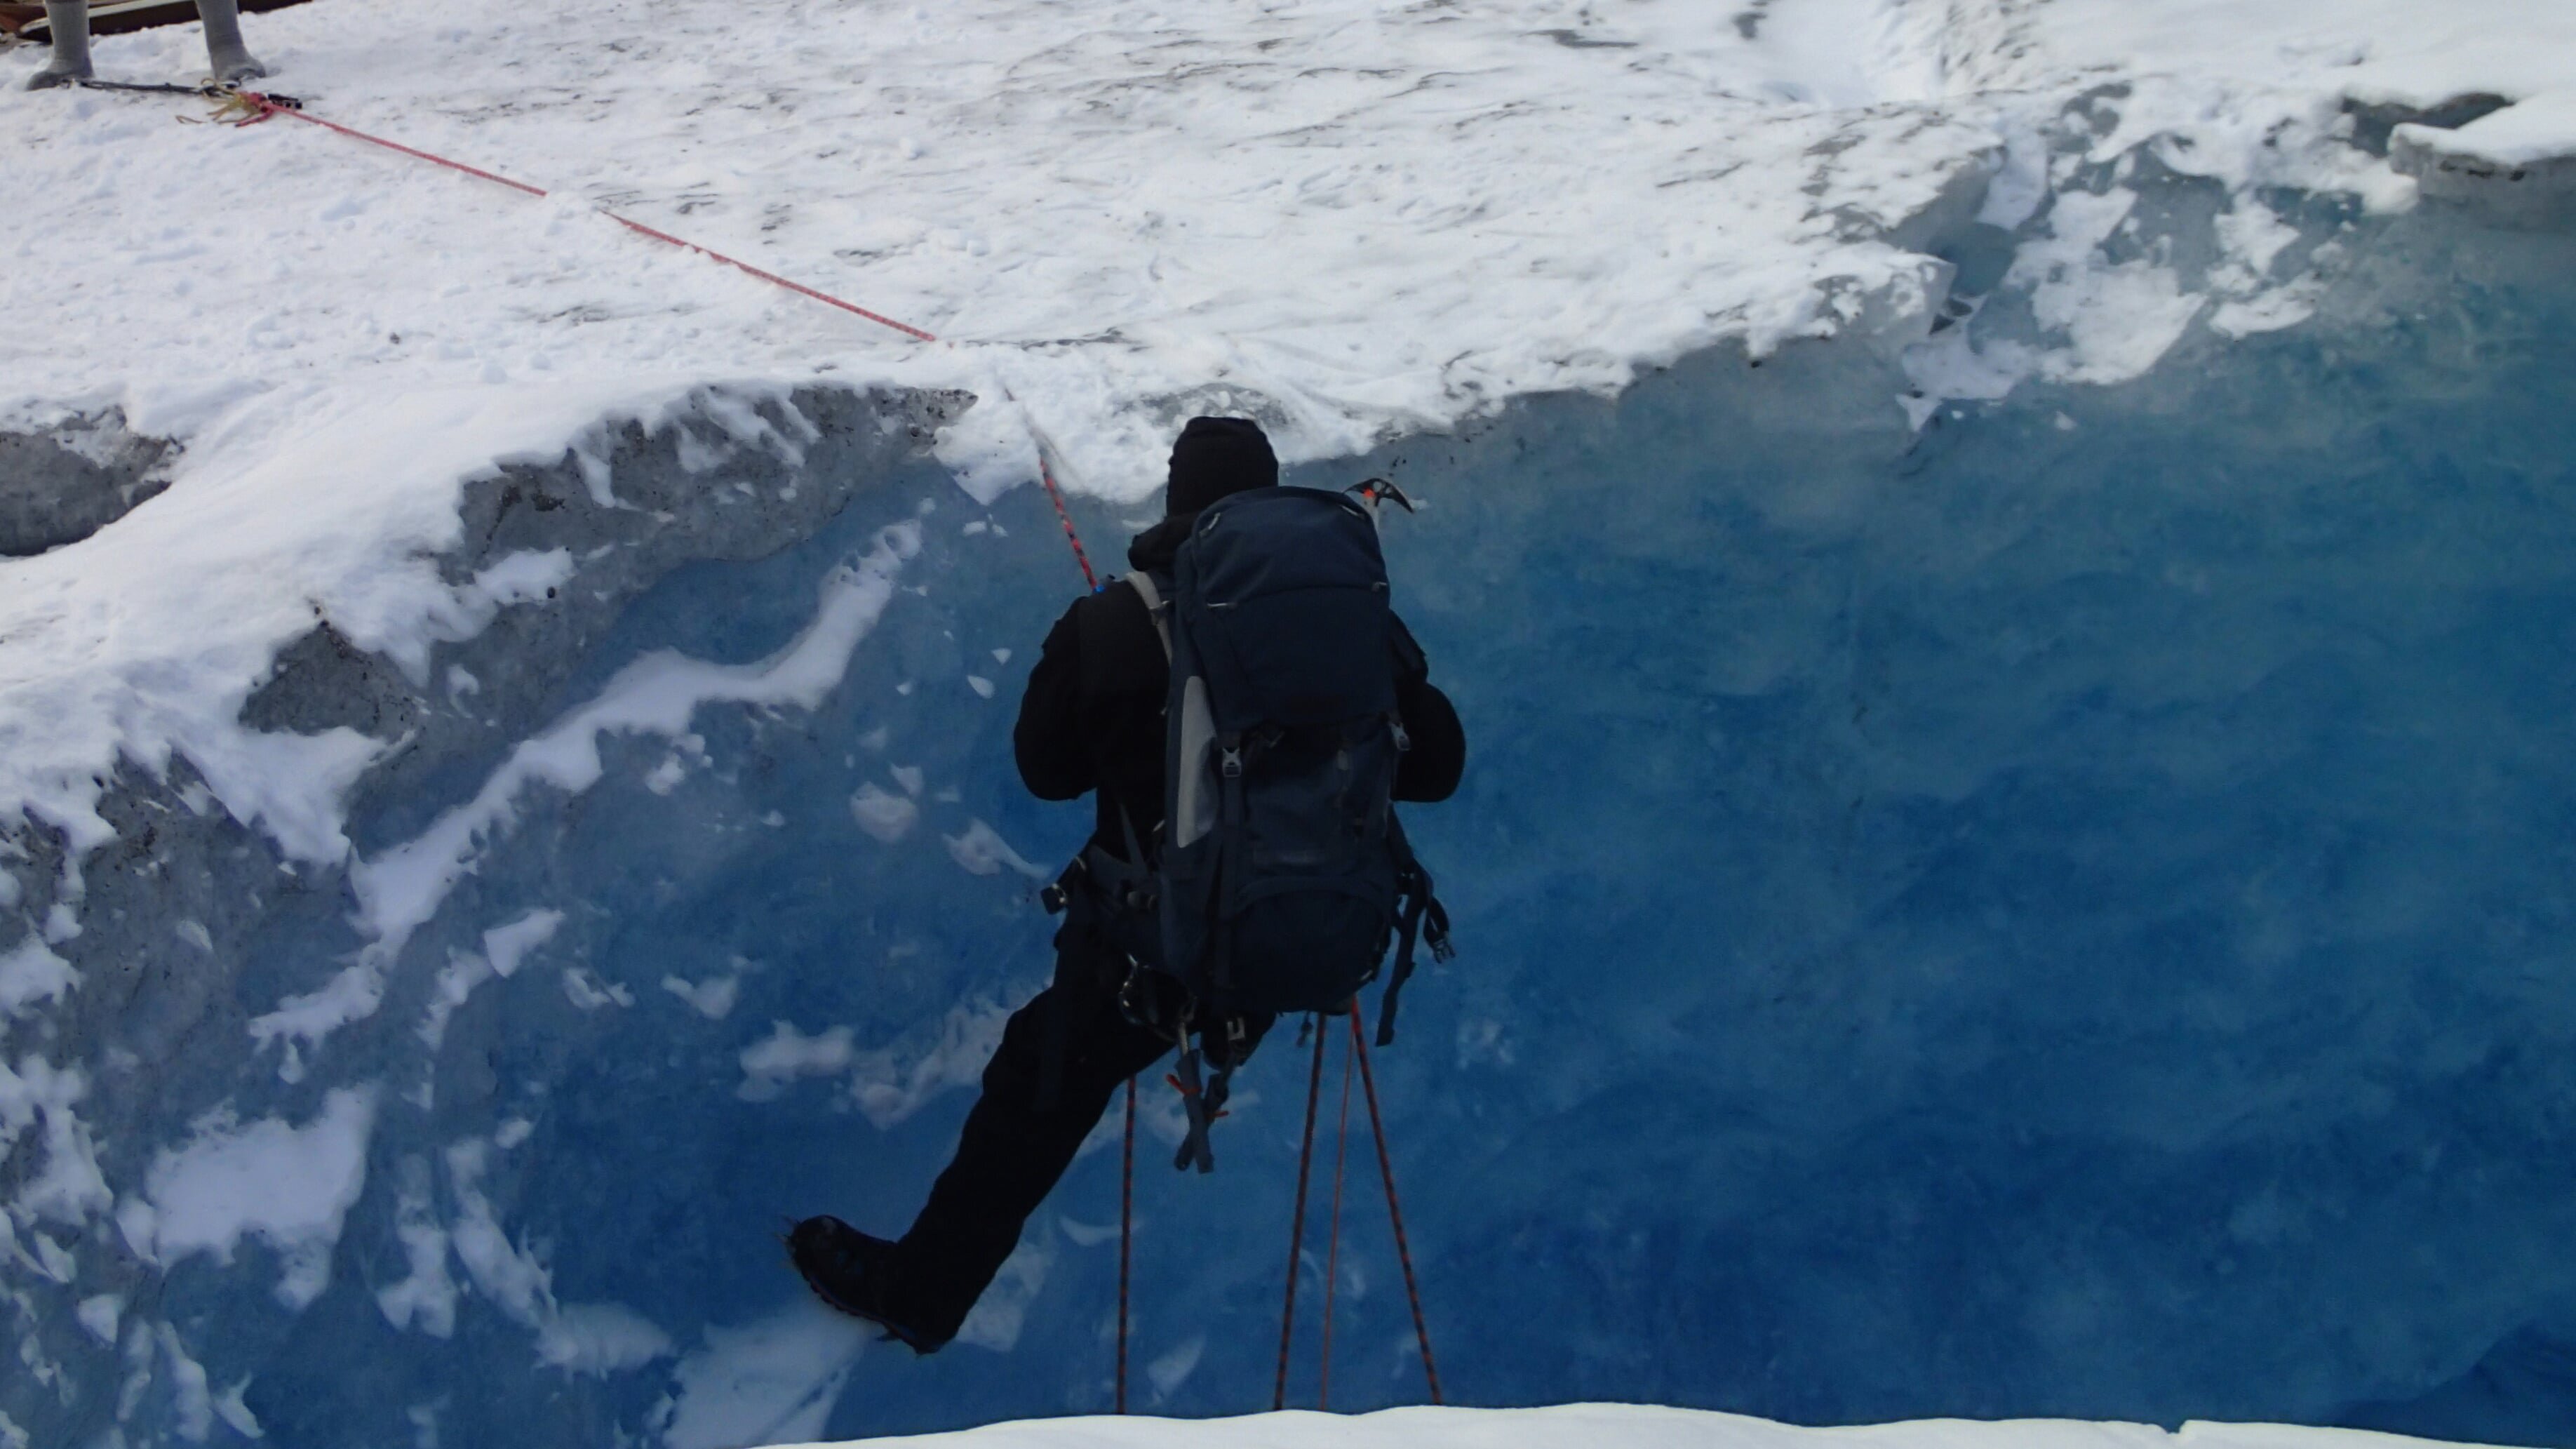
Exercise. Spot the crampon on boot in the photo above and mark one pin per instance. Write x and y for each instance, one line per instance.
(856, 1274)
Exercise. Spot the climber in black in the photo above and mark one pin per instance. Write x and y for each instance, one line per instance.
(1092, 720)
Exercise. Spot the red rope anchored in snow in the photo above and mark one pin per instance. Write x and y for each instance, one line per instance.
(263, 107)
(1055, 496)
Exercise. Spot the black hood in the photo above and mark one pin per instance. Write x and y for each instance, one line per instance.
(1214, 457)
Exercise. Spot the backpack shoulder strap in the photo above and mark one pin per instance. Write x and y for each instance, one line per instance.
(1146, 589)
(1410, 662)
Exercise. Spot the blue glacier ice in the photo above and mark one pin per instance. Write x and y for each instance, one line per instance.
(2062, 911)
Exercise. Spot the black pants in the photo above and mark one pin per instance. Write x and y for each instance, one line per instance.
(1020, 1136)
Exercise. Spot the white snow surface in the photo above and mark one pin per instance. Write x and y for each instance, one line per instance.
(2410, 52)
(2518, 135)
(1350, 219)
(1616, 1426)
(289, 1186)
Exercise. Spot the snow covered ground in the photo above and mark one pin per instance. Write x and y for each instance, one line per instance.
(1353, 220)
(1618, 1426)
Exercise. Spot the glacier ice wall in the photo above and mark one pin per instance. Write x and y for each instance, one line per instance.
(2061, 910)
(2077, 925)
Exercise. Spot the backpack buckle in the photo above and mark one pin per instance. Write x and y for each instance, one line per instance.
(1199, 1111)
(1230, 762)
(1154, 1001)
(1057, 894)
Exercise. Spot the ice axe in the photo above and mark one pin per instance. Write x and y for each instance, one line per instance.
(1374, 491)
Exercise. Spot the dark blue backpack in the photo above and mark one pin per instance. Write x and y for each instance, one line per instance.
(1283, 875)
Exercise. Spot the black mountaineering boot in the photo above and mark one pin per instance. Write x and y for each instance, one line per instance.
(858, 1274)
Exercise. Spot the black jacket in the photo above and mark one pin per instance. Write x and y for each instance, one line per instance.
(1093, 715)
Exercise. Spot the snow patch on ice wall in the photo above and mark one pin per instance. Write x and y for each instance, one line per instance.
(288, 1186)
(399, 889)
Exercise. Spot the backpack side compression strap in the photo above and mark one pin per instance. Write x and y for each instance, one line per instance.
(1143, 583)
